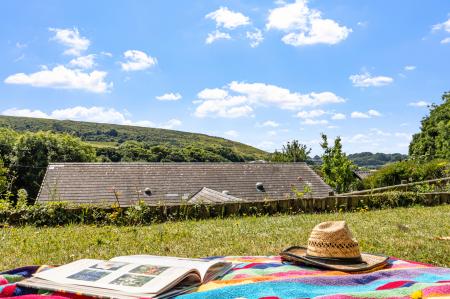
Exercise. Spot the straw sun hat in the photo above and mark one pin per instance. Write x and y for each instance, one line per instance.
(331, 245)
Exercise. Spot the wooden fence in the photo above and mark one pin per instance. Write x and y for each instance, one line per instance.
(304, 205)
(60, 213)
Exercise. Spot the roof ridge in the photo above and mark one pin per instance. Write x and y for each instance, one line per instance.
(176, 163)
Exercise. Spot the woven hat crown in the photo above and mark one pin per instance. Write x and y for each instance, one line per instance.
(332, 239)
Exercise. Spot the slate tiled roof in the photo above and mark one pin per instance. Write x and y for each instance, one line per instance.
(174, 182)
(206, 195)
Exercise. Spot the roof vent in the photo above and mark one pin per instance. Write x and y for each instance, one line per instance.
(226, 192)
(147, 191)
(260, 187)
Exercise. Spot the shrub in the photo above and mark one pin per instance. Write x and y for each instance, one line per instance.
(411, 171)
(62, 213)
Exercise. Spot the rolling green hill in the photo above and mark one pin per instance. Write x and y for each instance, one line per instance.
(100, 134)
(371, 160)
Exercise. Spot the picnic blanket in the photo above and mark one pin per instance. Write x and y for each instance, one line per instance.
(269, 278)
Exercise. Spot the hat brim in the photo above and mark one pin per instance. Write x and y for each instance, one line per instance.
(297, 254)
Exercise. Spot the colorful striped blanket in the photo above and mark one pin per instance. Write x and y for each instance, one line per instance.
(268, 278)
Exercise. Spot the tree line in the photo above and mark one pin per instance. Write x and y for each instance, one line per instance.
(24, 156)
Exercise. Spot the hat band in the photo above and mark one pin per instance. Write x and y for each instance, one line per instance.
(336, 260)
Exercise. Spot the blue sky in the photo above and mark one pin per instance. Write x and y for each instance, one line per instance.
(259, 72)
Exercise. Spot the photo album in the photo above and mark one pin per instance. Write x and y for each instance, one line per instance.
(138, 276)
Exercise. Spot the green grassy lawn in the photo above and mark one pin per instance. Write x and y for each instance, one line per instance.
(408, 233)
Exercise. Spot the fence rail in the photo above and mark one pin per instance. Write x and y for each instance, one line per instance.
(401, 187)
(306, 205)
(311, 205)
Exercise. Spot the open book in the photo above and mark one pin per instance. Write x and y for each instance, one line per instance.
(136, 276)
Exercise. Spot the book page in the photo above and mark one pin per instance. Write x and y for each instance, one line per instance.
(148, 278)
(202, 266)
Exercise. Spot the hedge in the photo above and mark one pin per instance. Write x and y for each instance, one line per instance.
(63, 213)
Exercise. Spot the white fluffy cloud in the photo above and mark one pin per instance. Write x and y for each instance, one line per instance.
(227, 18)
(25, 112)
(444, 26)
(169, 97)
(419, 104)
(445, 40)
(305, 26)
(267, 94)
(357, 114)
(409, 67)
(338, 116)
(71, 39)
(61, 77)
(171, 124)
(374, 113)
(367, 80)
(136, 60)
(216, 35)
(255, 37)
(91, 114)
(369, 114)
(270, 123)
(212, 94)
(310, 114)
(232, 133)
(310, 122)
(107, 54)
(83, 62)
(238, 99)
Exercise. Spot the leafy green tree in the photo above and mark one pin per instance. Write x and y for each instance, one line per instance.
(132, 151)
(227, 153)
(292, 152)
(108, 154)
(7, 140)
(3, 178)
(34, 151)
(195, 154)
(433, 140)
(337, 169)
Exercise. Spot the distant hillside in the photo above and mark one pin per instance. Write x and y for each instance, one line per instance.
(370, 160)
(110, 134)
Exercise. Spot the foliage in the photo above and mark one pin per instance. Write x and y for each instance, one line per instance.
(370, 160)
(3, 177)
(406, 233)
(410, 171)
(395, 199)
(110, 134)
(291, 152)
(307, 190)
(32, 152)
(337, 169)
(7, 141)
(433, 140)
(22, 199)
(63, 213)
